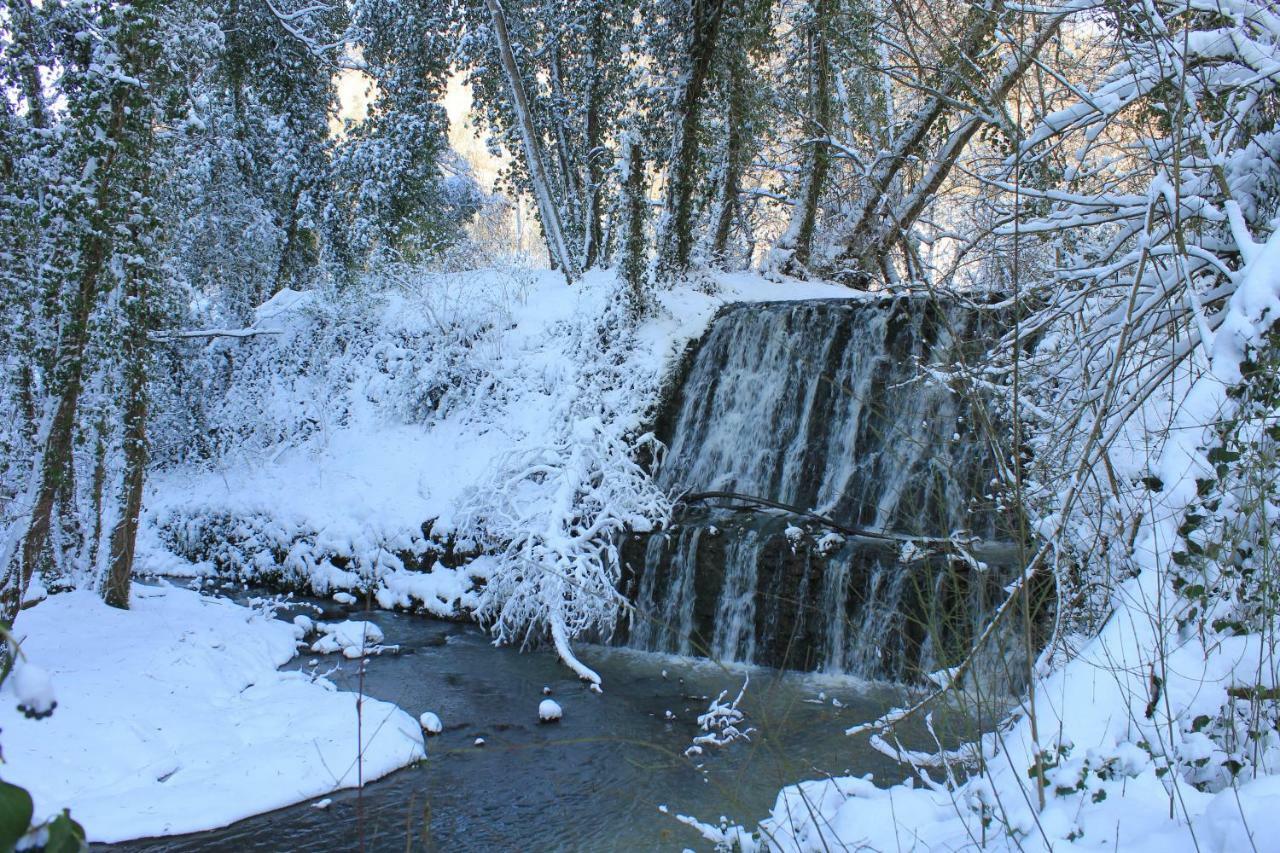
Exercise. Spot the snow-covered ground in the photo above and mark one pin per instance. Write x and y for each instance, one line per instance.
(172, 716)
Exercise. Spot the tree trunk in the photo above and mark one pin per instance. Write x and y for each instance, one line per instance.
(547, 209)
(675, 244)
(795, 246)
(633, 267)
(731, 179)
(124, 535)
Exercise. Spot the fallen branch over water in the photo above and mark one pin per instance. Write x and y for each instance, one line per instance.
(976, 546)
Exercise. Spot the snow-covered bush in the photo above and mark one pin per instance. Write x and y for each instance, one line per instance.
(553, 509)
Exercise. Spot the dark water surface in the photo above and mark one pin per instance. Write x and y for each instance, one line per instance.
(592, 782)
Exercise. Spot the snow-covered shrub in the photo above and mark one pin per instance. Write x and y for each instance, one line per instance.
(392, 353)
(407, 569)
(552, 510)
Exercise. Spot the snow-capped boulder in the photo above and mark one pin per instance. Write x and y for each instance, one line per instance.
(430, 723)
(549, 711)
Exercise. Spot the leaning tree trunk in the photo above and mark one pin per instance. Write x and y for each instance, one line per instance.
(675, 242)
(894, 224)
(547, 210)
(877, 225)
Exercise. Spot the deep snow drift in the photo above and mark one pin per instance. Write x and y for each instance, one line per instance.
(172, 716)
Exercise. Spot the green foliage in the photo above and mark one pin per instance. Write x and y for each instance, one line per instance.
(16, 810)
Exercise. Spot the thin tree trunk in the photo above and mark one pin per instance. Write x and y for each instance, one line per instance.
(547, 209)
(731, 180)
(819, 150)
(795, 246)
(591, 232)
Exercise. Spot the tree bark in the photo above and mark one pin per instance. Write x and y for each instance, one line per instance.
(675, 245)
(547, 210)
(731, 179)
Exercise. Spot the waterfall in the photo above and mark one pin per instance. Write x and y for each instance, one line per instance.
(834, 407)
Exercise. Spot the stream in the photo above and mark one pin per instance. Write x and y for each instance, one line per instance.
(594, 781)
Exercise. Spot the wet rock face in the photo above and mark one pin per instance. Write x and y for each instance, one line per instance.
(751, 592)
(827, 407)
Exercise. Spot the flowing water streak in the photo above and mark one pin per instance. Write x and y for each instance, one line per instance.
(823, 405)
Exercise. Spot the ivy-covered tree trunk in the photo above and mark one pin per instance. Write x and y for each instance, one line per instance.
(633, 266)
(676, 240)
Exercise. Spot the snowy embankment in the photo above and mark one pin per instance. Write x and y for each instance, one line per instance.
(172, 717)
(382, 445)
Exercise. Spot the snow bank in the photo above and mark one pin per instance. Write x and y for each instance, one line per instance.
(173, 718)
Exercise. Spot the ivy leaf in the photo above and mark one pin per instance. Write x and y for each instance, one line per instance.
(1220, 455)
(65, 835)
(1155, 484)
(16, 809)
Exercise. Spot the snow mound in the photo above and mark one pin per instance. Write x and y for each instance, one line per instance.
(549, 711)
(430, 723)
(176, 702)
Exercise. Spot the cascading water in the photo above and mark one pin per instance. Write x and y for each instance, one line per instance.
(832, 407)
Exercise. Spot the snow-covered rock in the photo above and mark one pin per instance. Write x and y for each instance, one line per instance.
(33, 688)
(430, 723)
(549, 711)
(351, 637)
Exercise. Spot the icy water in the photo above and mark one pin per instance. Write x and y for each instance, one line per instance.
(594, 781)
